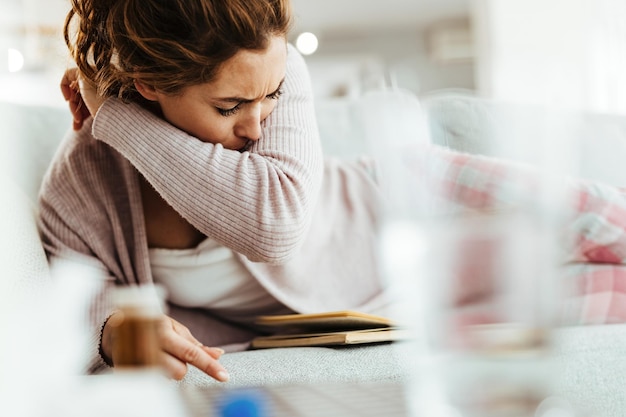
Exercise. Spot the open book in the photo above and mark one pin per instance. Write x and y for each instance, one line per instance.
(345, 327)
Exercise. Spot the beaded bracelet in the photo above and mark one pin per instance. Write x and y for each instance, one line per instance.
(100, 349)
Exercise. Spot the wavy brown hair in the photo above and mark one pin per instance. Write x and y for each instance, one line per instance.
(167, 44)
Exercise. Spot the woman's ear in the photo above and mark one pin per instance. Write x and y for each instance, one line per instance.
(148, 92)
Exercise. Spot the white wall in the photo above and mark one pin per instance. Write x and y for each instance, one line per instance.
(557, 52)
(34, 29)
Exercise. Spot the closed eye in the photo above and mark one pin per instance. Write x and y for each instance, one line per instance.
(233, 110)
(275, 95)
(229, 112)
(278, 92)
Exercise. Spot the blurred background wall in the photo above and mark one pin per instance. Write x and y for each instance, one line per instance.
(416, 44)
(420, 45)
(570, 52)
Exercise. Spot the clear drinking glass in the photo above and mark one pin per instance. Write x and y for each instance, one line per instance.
(477, 284)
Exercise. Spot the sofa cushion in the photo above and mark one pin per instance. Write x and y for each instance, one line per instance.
(378, 362)
(588, 363)
(24, 264)
(588, 145)
(31, 135)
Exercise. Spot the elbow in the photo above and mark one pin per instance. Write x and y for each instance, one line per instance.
(281, 234)
(284, 218)
(274, 257)
(279, 245)
(280, 240)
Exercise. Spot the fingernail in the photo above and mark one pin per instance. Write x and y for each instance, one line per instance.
(220, 350)
(223, 376)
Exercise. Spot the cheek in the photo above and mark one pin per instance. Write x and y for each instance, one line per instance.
(215, 129)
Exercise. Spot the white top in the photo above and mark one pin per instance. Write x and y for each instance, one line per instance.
(210, 276)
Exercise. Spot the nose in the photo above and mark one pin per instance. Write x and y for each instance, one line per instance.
(249, 127)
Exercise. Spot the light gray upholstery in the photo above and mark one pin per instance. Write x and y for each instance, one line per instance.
(593, 144)
(308, 365)
(31, 134)
(23, 258)
(591, 371)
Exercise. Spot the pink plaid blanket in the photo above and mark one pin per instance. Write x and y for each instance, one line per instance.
(593, 238)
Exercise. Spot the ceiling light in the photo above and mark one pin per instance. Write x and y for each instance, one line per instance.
(307, 43)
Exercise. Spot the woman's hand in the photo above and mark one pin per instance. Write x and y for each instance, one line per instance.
(178, 347)
(82, 96)
(181, 348)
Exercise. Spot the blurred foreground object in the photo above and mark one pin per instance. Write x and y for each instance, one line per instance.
(135, 335)
(469, 250)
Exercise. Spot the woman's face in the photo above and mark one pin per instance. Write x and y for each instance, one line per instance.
(230, 109)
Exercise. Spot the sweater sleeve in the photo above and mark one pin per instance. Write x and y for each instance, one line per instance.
(258, 203)
(67, 251)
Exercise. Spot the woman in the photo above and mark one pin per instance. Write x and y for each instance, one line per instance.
(202, 171)
(135, 195)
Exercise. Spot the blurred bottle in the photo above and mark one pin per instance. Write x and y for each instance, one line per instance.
(138, 385)
(135, 338)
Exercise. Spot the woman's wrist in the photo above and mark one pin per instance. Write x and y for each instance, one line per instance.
(106, 337)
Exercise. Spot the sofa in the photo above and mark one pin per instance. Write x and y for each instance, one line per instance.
(589, 356)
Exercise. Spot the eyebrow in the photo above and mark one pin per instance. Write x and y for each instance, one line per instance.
(247, 100)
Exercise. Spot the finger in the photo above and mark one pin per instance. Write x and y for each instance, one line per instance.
(206, 356)
(195, 355)
(215, 353)
(76, 114)
(66, 90)
(79, 110)
(84, 111)
(173, 367)
(183, 331)
(178, 369)
(69, 77)
(74, 106)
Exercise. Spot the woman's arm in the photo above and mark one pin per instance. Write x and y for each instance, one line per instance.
(178, 346)
(258, 203)
(87, 235)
